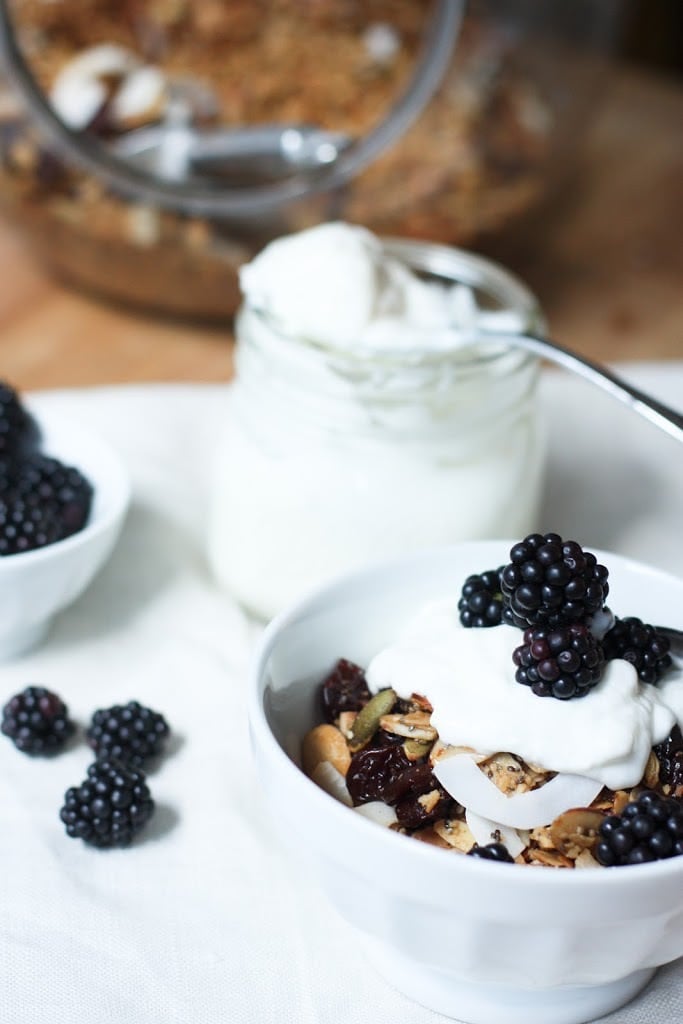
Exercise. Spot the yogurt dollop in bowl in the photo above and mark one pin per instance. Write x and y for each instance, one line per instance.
(478, 941)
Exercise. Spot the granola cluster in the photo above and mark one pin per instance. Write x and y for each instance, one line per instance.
(377, 753)
(474, 160)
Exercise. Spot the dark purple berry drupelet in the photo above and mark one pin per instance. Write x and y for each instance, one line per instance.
(650, 828)
(37, 721)
(635, 641)
(492, 851)
(564, 662)
(19, 433)
(129, 733)
(109, 807)
(41, 501)
(481, 600)
(669, 753)
(551, 582)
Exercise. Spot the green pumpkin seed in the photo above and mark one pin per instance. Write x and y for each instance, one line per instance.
(367, 721)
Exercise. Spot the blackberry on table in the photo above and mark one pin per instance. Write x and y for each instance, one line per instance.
(42, 500)
(650, 828)
(669, 753)
(564, 662)
(19, 432)
(481, 600)
(637, 642)
(129, 733)
(492, 851)
(37, 721)
(109, 807)
(551, 582)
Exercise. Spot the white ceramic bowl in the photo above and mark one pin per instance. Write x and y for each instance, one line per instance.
(475, 940)
(36, 585)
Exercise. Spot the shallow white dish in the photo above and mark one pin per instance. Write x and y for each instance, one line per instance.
(477, 941)
(36, 585)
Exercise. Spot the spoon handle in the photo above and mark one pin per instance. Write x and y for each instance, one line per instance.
(663, 416)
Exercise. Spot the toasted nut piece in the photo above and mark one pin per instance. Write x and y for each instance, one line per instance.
(586, 860)
(441, 750)
(368, 718)
(621, 798)
(414, 725)
(422, 703)
(651, 776)
(429, 800)
(576, 830)
(325, 743)
(550, 858)
(456, 833)
(541, 837)
(415, 749)
(431, 836)
(511, 775)
(346, 720)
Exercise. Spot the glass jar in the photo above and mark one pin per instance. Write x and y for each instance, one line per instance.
(259, 78)
(330, 459)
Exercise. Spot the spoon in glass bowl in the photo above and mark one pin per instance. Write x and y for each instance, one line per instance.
(663, 416)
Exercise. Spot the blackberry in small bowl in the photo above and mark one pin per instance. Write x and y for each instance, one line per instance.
(19, 432)
(109, 807)
(37, 721)
(635, 641)
(481, 600)
(650, 828)
(549, 582)
(564, 662)
(129, 733)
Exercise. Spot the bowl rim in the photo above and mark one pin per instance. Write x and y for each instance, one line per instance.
(104, 519)
(395, 845)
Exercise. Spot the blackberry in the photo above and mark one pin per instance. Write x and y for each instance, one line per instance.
(564, 662)
(41, 501)
(37, 721)
(551, 582)
(129, 733)
(670, 756)
(639, 643)
(109, 807)
(481, 600)
(650, 828)
(492, 851)
(19, 433)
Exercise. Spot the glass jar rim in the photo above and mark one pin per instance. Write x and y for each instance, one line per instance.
(450, 265)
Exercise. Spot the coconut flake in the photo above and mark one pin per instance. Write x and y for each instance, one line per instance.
(486, 831)
(332, 781)
(378, 812)
(461, 777)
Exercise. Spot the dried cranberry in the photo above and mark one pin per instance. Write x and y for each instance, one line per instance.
(416, 782)
(375, 774)
(345, 689)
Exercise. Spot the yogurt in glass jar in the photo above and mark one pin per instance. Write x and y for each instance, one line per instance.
(362, 421)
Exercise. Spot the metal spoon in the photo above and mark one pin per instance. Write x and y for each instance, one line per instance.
(663, 416)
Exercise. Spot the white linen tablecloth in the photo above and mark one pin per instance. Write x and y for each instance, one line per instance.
(203, 920)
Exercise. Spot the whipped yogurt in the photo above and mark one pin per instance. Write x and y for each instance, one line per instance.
(335, 284)
(358, 425)
(469, 678)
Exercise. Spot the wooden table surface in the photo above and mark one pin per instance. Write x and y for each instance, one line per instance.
(606, 261)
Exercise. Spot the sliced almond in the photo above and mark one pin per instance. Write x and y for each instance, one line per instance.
(576, 830)
(430, 836)
(413, 725)
(325, 743)
(345, 721)
(455, 833)
(651, 775)
(549, 858)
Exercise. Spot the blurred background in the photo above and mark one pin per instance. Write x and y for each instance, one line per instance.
(551, 142)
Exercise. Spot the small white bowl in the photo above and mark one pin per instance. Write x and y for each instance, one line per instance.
(479, 941)
(36, 585)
